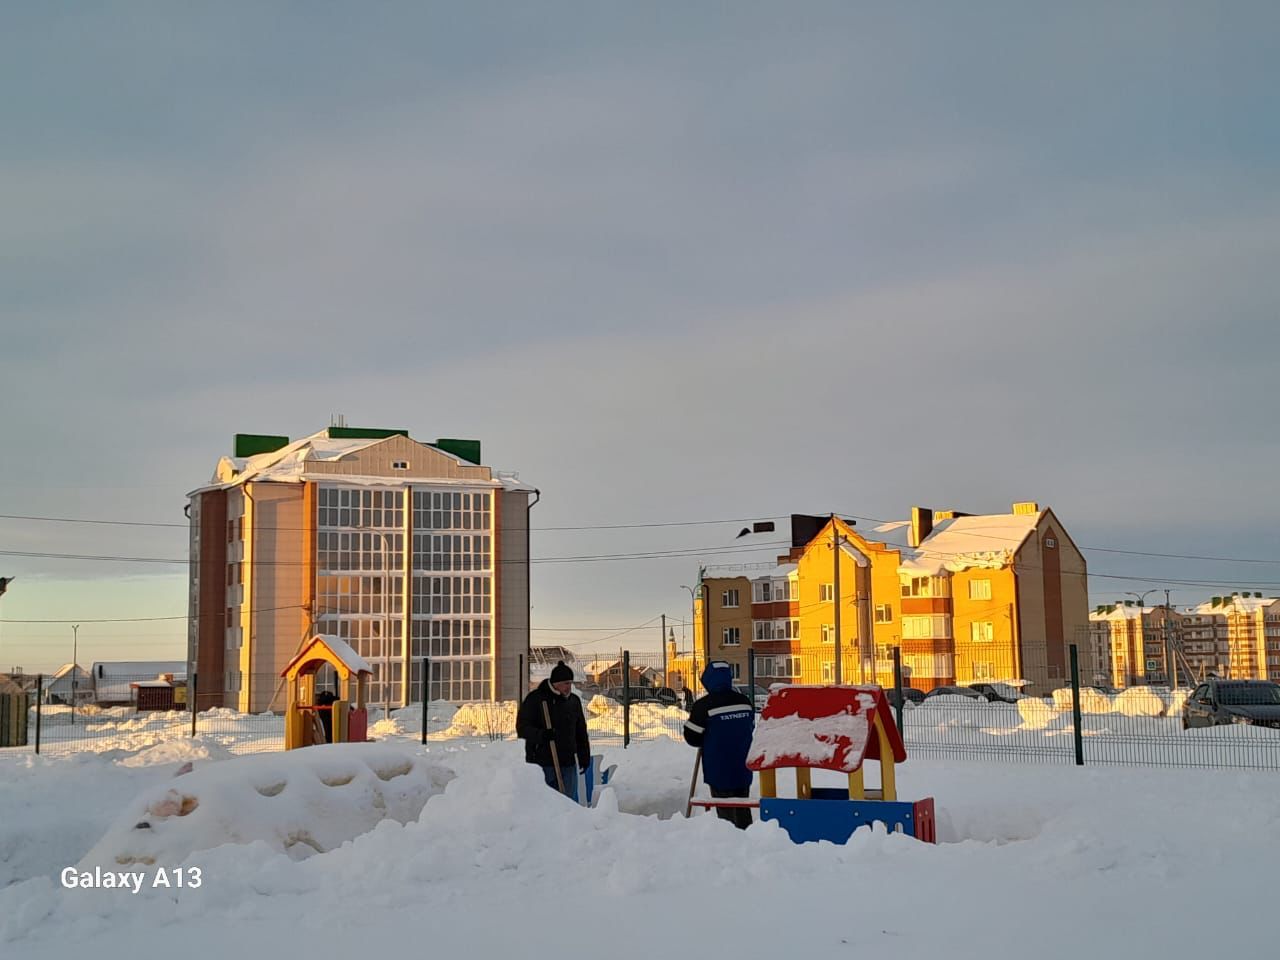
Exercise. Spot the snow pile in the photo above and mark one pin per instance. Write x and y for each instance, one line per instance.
(1177, 700)
(1036, 714)
(604, 715)
(814, 742)
(299, 803)
(1139, 702)
(1091, 700)
(494, 720)
(178, 751)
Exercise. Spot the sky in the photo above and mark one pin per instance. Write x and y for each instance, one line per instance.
(671, 262)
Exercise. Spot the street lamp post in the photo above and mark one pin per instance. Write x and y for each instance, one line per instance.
(1142, 629)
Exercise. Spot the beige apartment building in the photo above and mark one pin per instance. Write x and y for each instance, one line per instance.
(1236, 637)
(964, 597)
(405, 550)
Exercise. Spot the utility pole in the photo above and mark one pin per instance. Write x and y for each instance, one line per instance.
(75, 642)
(662, 641)
(1168, 642)
(4, 584)
(835, 590)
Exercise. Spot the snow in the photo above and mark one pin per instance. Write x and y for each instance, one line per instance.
(340, 649)
(815, 741)
(299, 802)
(498, 865)
(987, 542)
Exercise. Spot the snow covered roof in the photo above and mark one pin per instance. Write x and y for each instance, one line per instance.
(65, 669)
(289, 465)
(780, 572)
(342, 650)
(1236, 605)
(959, 543)
(1121, 612)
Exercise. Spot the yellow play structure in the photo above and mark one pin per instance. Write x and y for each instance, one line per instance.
(348, 716)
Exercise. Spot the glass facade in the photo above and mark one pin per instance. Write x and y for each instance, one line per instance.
(373, 568)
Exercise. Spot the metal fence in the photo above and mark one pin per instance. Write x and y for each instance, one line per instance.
(644, 696)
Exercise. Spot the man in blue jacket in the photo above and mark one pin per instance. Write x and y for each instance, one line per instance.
(721, 723)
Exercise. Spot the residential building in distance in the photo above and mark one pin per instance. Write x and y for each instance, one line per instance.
(965, 597)
(1235, 637)
(403, 549)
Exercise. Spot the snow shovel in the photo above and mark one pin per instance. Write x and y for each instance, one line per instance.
(555, 754)
(693, 784)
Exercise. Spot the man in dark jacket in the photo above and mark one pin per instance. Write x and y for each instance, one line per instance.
(553, 699)
(721, 723)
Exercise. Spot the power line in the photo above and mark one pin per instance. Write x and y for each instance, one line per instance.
(648, 525)
(588, 526)
(584, 558)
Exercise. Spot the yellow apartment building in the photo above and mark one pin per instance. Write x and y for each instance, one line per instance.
(965, 597)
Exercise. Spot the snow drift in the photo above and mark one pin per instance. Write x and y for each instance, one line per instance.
(299, 803)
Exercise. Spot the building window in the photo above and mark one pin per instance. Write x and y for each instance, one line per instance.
(828, 633)
(761, 591)
(981, 631)
(979, 589)
(732, 637)
(399, 464)
(928, 627)
(729, 598)
(828, 670)
(984, 670)
(1050, 542)
(826, 592)
(737, 670)
(884, 613)
(925, 587)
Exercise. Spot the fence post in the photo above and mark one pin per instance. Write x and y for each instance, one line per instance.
(39, 697)
(1075, 707)
(751, 676)
(426, 698)
(897, 685)
(194, 692)
(626, 699)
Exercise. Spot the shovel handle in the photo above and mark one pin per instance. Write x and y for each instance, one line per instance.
(555, 754)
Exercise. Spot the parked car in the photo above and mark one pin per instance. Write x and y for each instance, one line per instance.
(760, 694)
(909, 695)
(996, 692)
(663, 695)
(1217, 702)
(954, 692)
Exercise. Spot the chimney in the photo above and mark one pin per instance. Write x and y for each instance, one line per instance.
(921, 525)
(1026, 508)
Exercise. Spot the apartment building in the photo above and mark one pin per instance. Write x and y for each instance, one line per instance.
(1134, 645)
(401, 548)
(965, 597)
(1236, 636)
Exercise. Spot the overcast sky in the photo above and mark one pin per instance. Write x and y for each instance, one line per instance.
(671, 262)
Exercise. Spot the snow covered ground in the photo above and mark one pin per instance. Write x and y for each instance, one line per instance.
(1046, 860)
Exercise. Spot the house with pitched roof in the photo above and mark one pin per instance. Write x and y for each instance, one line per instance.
(965, 597)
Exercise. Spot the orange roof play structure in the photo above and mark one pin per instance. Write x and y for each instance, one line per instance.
(827, 728)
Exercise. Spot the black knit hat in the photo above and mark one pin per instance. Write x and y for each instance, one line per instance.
(560, 672)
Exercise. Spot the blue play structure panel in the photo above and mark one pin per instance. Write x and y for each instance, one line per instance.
(830, 818)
